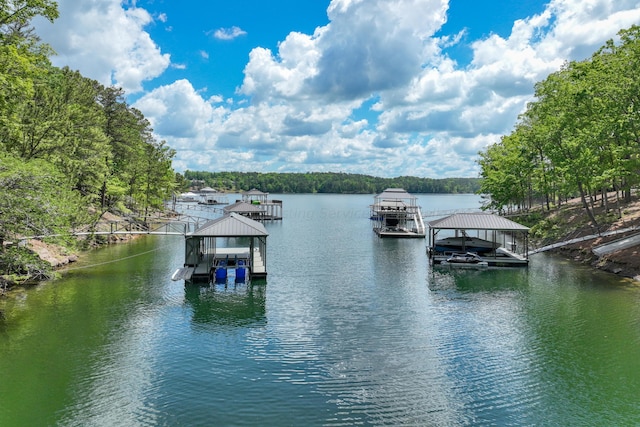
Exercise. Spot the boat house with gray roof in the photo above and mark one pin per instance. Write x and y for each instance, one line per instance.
(231, 243)
(498, 240)
(272, 209)
(253, 211)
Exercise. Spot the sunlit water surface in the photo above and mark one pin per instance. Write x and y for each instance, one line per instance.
(348, 329)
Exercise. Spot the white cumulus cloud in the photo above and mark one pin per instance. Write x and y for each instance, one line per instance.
(373, 91)
(228, 33)
(105, 42)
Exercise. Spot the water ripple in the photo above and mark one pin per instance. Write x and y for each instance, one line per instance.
(348, 330)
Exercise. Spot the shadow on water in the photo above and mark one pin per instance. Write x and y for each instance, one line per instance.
(226, 305)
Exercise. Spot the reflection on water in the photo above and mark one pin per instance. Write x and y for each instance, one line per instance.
(349, 329)
(226, 305)
(487, 279)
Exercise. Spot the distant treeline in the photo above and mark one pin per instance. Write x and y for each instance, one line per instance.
(329, 182)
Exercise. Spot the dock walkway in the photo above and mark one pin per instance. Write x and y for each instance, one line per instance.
(602, 249)
(617, 245)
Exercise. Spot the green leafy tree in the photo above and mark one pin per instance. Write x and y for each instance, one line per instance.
(63, 124)
(506, 174)
(35, 200)
(157, 179)
(22, 56)
(16, 15)
(67, 144)
(615, 76)
(582, 133)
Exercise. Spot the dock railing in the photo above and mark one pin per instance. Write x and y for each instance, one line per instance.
(178, 224)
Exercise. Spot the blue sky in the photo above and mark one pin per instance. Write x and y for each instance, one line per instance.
(380, 87)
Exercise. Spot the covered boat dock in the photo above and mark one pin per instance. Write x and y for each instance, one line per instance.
(498, 241)
(395, 213)
(271, 209)
(211, 196)
(231, 243)
(255, 212)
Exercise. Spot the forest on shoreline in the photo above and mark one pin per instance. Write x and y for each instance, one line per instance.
(329, 182)
(71, 149)
(580, 136)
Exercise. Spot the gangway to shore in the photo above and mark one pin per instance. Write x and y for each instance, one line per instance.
(197, 207)
(599, 250)
(617, 245)
(177, 225)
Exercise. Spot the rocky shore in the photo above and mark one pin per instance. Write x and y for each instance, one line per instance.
(567, 223)
(571, 222)
(59, 257)
(625, 262)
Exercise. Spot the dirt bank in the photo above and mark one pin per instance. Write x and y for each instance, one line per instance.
(58, 256)
(55, 255)
(572, 222)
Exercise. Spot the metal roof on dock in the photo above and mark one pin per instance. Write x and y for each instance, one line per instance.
(476, 221)
(231, 225)
(254, 192)
(243, 207)
(208, 190)
(395, 193)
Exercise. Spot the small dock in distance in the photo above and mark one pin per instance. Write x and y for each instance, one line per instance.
(266, 210)
(395, 213)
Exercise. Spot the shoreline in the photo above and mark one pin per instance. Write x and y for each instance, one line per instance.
(623, 263)
(59, 257)
(570, 222)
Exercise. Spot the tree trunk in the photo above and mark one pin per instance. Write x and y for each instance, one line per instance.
(585, 204)
(618, 207)
(103, 195)
(626, 191)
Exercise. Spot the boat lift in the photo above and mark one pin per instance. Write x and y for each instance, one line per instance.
(232, 242)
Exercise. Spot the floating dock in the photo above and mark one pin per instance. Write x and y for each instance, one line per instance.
(395, 213)
(232, 260)
(268, 210)
(508, 240)
(210, 256)
(501, 257)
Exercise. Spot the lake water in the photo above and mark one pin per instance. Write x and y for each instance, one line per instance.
(347, 329)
